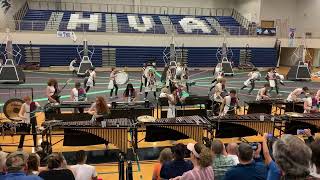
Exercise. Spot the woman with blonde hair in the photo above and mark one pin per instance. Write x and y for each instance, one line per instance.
(165, 155)
(201, 158)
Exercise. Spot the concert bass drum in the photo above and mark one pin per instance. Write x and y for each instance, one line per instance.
(12, 108)
(122, 78)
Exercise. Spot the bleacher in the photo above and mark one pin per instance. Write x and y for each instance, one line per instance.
(232, 26)
(37, 20)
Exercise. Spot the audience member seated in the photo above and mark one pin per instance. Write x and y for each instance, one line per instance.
(232, 151)
(221, 162)
(33, 164)
(16, 165)
(56, 170)
(292, 156)
(83, 171)
(165, 155)
(247, 168)
(274, 172)
(178, 166)
(201, 158)
(315, 159)
(3, 157)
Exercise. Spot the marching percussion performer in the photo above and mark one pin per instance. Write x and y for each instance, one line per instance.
(172, 101)
(99, 108)
(151, 84)
(263, 93)
(294, 95)
(52, 91)
(220, 90)
(310, 103)
(253, 76)
(217, 75)
(318, 96)
(91, 79)
(229, 104)
(27, 114)
(72, 68)
(113, 84)
(143, 77)
(78, 94)
(272, 78)
(130, 93)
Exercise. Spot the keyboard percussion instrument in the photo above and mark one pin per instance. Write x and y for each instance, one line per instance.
(79, 133)
(169, 128)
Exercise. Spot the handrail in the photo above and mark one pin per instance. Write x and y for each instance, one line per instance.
(125, 8)
(29, 25)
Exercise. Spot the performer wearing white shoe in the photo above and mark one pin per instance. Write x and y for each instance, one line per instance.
(151, 84)
(253, 77)
(72, 68)
(143, 77)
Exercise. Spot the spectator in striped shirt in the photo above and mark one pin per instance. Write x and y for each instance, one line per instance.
(201, 158)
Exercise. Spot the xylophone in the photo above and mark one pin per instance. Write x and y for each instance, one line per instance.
(244, 125)
(11, 128)
(296, 121)
(78, 133)
(176, 128)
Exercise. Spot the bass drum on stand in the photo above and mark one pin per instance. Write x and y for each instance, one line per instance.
(122, 78)
(12, 108)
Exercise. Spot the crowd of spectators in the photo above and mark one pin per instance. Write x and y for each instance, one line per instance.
(22, 166)
(286, 158)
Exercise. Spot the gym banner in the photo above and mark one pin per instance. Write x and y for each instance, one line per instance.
(292, 36)
(67, 34)
(266, 31)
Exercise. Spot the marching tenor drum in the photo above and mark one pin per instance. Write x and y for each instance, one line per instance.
(122, 78)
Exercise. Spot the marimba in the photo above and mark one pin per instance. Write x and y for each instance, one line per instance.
(294, 121)
(177, 128)
(84, 133)
(245, 125)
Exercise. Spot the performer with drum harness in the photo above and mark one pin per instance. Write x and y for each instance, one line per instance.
(151, 84)
(273, 79)
(27, 114)
(143, 77)
(229, 104)
(253, 76)
(90, 82)
(113, 86)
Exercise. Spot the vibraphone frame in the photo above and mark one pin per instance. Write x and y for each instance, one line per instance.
(193, 131)
(265, 126)
(115, 135)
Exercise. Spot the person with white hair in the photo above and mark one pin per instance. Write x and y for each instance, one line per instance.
(293, 157)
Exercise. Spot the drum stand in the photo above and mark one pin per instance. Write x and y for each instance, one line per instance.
(85, 63)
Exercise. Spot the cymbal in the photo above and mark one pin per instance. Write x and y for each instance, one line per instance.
(145, 119)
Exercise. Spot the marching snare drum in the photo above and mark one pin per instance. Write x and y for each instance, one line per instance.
(122, 78)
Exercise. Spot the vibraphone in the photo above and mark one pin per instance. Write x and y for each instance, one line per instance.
(301, 121)
(83, 133)
(245, 125)
(131, 110)
(118, 110)
(265, 106)
(177, 128)
(203, 101)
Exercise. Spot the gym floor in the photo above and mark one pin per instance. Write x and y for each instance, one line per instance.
(149, 151)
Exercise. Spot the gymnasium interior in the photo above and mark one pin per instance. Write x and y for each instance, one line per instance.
(180, 48)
